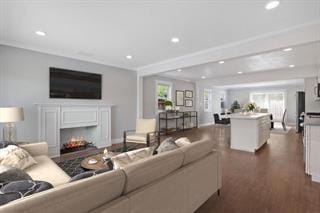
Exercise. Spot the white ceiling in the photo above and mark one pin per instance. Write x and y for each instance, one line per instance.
(300, 56)
(284, 84)
(107, 31)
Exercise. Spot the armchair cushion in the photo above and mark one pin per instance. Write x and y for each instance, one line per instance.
(139, 138)
(145, 126)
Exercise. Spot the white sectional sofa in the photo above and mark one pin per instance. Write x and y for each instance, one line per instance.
(176, 181)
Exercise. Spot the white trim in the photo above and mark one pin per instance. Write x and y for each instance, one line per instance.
(274, 40)
(170, 84)
(117, 140)
(206, 124)
(210, 93)
(63, 54)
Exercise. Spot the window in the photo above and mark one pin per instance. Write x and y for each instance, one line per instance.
(163, 93)
(273, 101)
(207, 100)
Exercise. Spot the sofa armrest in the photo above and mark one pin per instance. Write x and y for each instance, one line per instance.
(36, 149)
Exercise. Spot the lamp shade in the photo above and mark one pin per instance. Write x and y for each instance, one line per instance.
(11, 114)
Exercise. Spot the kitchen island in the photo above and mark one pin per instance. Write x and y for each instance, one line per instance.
(249, 131)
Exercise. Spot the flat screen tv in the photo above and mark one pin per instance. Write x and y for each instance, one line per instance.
(74, 84)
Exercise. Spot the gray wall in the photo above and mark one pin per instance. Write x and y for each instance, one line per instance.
(243, 97)
(311, 104)
(149, 94)
(24, 80)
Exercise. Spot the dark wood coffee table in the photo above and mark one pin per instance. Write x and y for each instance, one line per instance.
(101, 164)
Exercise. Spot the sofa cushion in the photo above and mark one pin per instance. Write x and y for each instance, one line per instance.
(16, 157)
(167, 145)
(47, 170)
(19, 189)
(196, 150)
(9, 174)
(148, 170)
(80, 196)
(124, 159)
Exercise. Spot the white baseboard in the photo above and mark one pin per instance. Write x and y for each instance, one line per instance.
(206, 124)
(117, 140)
(315, 178)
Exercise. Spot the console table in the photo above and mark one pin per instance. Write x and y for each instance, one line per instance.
(179, 121)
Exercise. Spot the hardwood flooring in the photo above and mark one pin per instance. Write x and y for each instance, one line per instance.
(271, 180)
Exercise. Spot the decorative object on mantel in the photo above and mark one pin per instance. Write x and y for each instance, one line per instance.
(188, 103)
(250, 107)
(235, 105)
(179, 98)
(10, 115)
(189, 94)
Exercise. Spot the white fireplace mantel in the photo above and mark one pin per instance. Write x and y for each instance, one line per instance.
(53, 117)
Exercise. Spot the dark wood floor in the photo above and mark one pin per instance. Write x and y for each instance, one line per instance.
(271, 180)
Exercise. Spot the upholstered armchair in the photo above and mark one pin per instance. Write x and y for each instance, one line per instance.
(144, 133)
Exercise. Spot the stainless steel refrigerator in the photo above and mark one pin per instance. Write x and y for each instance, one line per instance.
(300, 107)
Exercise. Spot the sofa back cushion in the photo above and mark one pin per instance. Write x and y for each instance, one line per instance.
(79, 196)
(151, 169)
(196, 150)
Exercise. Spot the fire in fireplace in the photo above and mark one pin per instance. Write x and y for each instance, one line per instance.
(75, 144)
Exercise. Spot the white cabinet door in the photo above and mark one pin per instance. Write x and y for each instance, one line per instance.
(104, 127)
(49, 129)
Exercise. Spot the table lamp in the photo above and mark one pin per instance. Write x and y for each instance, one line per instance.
(10, 115)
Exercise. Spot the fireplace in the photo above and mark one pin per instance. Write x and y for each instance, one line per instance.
(77, 139)
(75, 144)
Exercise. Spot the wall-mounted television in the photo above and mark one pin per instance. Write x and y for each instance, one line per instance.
(74, 84)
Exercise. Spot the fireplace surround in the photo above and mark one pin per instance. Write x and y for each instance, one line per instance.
(58, 121)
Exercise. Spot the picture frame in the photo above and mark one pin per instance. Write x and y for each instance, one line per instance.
(179, 98)
(189, 94)
(188, 103)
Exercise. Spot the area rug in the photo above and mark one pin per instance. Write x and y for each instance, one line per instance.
(72, 166)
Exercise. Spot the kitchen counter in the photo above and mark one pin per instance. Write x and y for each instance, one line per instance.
(248, 116)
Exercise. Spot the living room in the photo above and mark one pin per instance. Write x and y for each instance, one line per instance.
(152, 106)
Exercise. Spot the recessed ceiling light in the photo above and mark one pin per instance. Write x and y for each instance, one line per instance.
(179, 70)
(272, 4)
(287, 49)
(292, 65)
(203, 77)
(175, 40)
(40, 33)
(240, 72)
(129, 56)
(221, 62)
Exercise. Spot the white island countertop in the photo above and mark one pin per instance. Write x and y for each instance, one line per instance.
(248, 116)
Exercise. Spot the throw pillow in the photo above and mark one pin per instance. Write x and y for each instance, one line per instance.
(15, 156)
(9, 174)
(87, 174)
(19, 189)
(122, 160)
(167, 145)
(184, 141)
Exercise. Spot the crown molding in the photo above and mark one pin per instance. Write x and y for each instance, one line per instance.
(61, 54)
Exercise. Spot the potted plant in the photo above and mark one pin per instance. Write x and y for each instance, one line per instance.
(168, 105)
(235, 105)
(250, 107)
